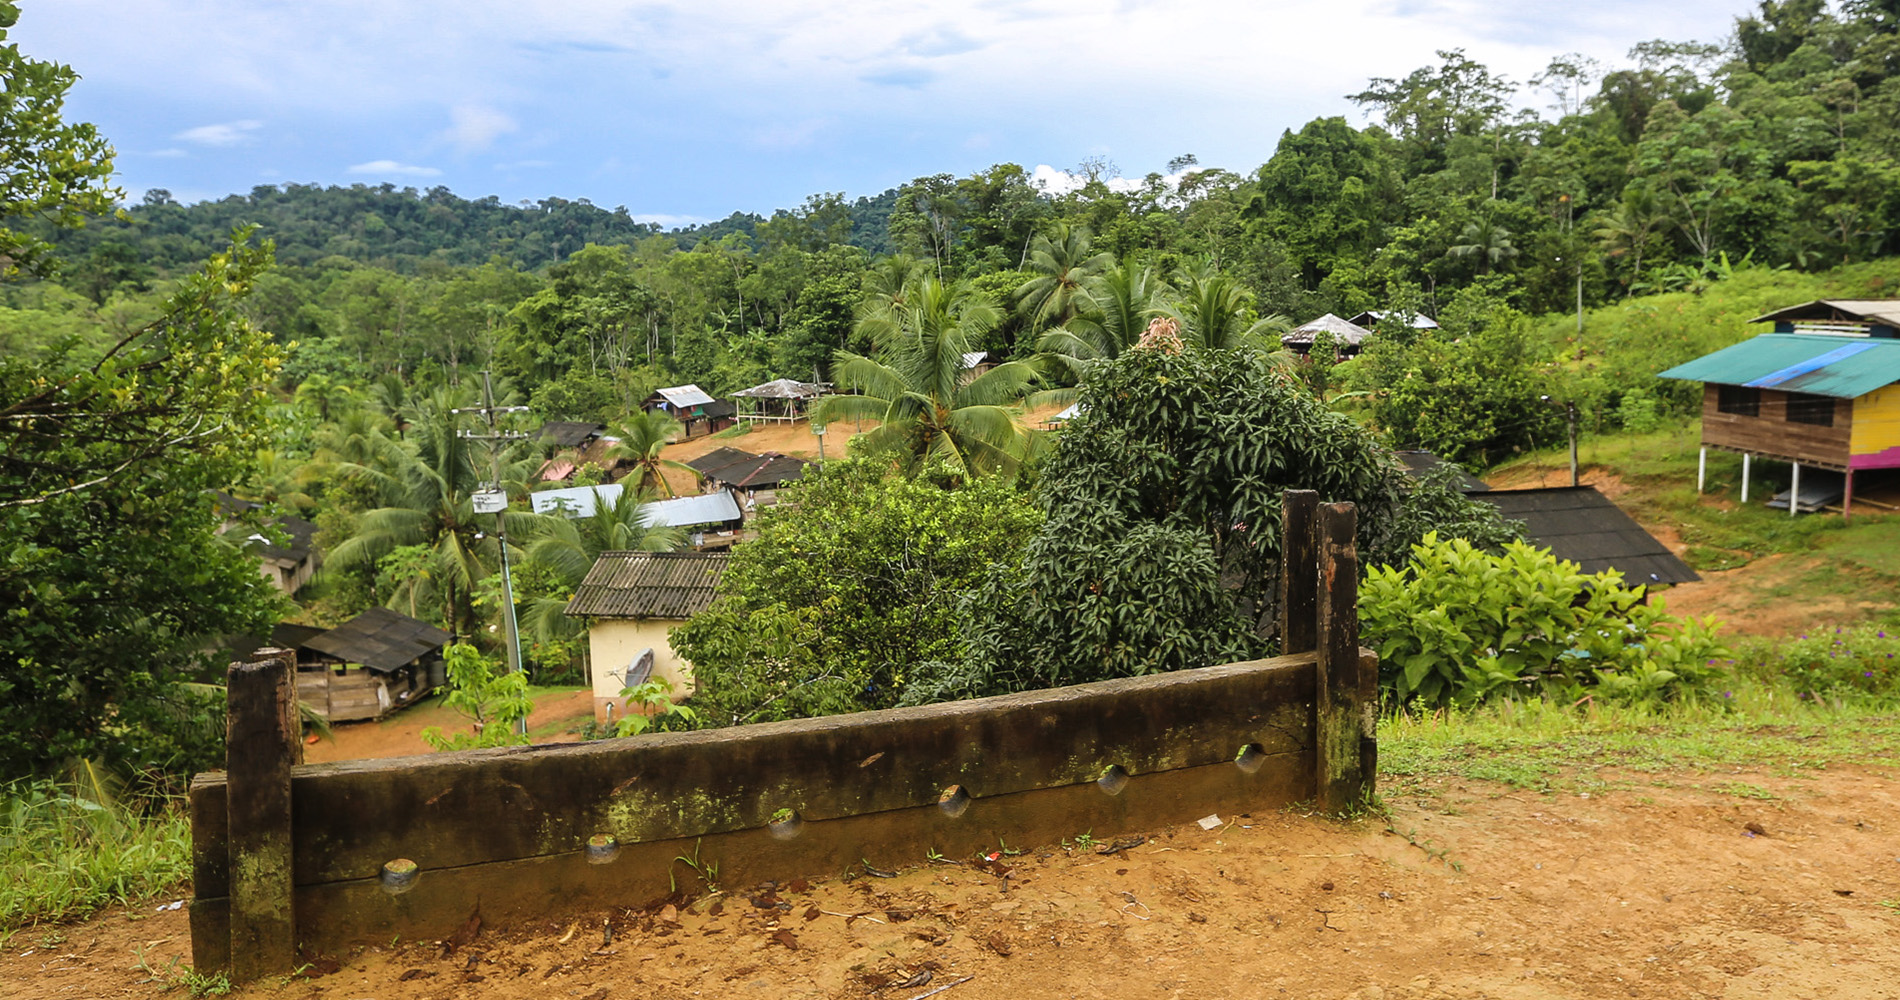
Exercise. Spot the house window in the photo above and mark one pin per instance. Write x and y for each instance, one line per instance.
(1739, 400)
(1806, 409)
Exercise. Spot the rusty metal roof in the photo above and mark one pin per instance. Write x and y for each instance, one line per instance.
(1842, 367)
(765, 471)
(719, 458)
(571, 433)
(649, 585)
(1885, 312)
(380, 639)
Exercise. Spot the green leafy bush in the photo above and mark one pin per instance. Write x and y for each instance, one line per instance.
(69, 850)
(1457, 624)
(494, 702)
(1863, 659)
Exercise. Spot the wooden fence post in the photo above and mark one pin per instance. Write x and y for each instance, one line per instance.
(263, 740)
(1340, 687)
(1299, 576)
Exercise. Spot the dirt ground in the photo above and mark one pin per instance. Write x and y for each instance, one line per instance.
(1734, 885)
(400, 735)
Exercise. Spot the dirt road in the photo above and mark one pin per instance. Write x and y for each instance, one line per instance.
(1734, 885)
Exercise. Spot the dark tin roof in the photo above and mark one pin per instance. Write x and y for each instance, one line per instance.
(1579, 524)
(765, 471)
(719, 409)
(571, 433)
(1418, 463)
(717, 459)
(648, 585)
(380, 639)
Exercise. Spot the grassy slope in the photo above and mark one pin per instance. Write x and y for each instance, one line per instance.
(1635, 338)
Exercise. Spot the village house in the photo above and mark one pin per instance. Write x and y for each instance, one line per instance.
(372, 665)
(784, 400)
(632, 601)
(698, 413)
(1819, 393)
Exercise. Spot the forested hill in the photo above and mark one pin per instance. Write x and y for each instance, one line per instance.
(399, 227)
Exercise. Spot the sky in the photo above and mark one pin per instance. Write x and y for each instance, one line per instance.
(687, 110)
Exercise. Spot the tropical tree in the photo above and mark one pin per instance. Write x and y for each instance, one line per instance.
(1213, 310)
(1630, 227)
(1485, 241)
(426, 495)
(1058, 267)
(642, 440)
(1112, 310)
(569, 547)
(931, 406)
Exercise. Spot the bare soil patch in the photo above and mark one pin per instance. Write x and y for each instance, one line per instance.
(1607, 482)
(400, 735)
(1766, 598)
(1735, 885)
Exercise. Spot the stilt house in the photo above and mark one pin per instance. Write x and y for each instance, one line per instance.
(1823, 390)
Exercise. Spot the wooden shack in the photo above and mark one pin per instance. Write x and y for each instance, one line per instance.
(374, 664)
(1823, 391)
(698, 413)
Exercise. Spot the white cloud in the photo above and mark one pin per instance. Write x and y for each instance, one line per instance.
(170, 154)
(221, 134)
(390, 168)
(473, 128)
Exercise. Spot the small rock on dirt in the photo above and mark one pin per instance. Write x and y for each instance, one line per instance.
(999, 943)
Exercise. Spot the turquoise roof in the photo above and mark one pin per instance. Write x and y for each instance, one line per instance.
(1843, 367)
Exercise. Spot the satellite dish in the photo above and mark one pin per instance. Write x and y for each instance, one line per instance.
(640, 669)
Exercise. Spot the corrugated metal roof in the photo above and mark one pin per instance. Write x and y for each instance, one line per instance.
(571, 433)
(1579, 524)
(648, 585)
(1371, 317)
(763, 471)
(1883, 311)
(1794, 362)
(577, 501)
(684, 395)
(1346, 334)
(783, 388)
(379, 639)
(687, 512)
(719, 458)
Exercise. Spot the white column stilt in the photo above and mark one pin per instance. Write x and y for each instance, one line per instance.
(1745, 457)
(1794, 491)
(1702, 469)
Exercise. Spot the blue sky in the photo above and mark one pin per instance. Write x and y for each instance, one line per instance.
(690, 109)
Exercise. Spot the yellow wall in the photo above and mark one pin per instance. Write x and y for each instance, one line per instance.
(611, 646)
(1876, 439)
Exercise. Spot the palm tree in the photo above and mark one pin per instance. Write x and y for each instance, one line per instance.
(643, 437)
(1629, 227)
(1060, 267)
(1486, 240)
(1213, 310)
(425, 490)
(929, 406)
(569, 547)
(1112, 310)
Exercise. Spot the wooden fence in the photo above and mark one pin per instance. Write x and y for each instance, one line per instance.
(291, 857)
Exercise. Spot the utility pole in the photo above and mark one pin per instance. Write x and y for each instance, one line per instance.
(492, 498)
(1570, 413)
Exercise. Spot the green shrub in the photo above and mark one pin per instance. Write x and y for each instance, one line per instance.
(1456, 625)
(1844, 660)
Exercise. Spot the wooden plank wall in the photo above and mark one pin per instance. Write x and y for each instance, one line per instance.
(1771, 434)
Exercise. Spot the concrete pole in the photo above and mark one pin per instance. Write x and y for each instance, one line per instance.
(1702, 469)
(1794, 491)
(1745, 457)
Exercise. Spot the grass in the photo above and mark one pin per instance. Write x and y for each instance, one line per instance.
(1545, 747)
(71, 850)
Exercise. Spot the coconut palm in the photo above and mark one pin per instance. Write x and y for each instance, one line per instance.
(930, 405)
(1213, 310)
(425, 490)
(569, 547)
(1112, 310)
(643, 438)
(1059, 266)
(1630, 226)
